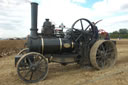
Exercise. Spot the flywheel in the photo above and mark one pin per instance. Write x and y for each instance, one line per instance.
(103, 54)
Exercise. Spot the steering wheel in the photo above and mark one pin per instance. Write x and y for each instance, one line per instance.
(85, 28)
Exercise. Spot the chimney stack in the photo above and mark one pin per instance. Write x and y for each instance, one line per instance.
(34, 14)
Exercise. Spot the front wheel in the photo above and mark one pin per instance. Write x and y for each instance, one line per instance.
(32, 67)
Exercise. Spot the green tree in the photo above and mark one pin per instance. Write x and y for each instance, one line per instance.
(115, 32)
(123, 31)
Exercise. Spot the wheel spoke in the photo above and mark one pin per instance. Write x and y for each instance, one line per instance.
(102, 63)
(29, 61)
(109, 50)
(27, 73)
(23, 69)
(78, 37)
(103, 48)
(108, 54)
(31, 76)
(36, 58)
(99, 52)
(38, 62)
(81, 24)
(87, 27)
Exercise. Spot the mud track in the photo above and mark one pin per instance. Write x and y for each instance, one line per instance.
(72, 74)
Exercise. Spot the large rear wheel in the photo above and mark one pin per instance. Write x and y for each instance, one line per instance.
(103, 54)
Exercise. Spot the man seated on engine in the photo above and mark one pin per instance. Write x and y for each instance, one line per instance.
(96, 30)
(47, 29)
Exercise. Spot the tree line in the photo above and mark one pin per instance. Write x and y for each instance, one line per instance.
(121, 33)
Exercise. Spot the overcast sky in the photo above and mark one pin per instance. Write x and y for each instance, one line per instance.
(15, 14)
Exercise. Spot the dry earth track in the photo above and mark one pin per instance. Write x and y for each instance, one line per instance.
(73, 74)
(9, 47)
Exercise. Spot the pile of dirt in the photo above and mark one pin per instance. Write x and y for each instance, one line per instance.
(9, 47)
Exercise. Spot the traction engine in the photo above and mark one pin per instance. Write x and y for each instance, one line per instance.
(80, 45)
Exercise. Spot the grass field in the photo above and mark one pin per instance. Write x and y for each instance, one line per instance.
(71, 74)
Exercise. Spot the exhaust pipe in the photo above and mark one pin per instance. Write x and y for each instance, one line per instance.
(34, 12)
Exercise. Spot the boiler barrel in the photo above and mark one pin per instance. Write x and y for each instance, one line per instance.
(56, 45)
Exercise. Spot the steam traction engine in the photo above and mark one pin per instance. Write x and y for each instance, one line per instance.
(80, 45)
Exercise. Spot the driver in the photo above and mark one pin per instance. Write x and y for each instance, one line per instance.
(95, 30)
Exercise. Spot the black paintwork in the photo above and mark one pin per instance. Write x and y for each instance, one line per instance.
(75, 41)
(75, 46)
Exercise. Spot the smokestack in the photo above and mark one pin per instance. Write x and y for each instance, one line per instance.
(34, 12)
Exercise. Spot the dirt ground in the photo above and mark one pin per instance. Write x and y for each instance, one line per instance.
(9, 47)
(72, 74)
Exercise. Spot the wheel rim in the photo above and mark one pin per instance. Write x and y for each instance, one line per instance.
(81, 23)
(103, 54)
(32, 67)
(83, 27)
(23, 51)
